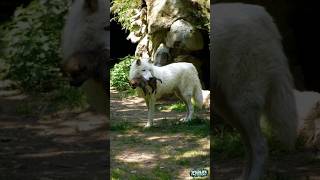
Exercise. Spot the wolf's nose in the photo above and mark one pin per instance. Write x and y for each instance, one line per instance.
(133, 84)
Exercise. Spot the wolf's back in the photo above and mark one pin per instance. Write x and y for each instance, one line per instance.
(247, 53)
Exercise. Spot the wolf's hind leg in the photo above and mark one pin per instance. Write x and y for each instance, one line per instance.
(245, 116)
(187, 100)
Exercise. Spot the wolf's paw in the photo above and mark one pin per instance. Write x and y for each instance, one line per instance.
(185, 120)
(148, 125)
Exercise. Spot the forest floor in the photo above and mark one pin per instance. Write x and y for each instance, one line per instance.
(169, 150)
(38, 143)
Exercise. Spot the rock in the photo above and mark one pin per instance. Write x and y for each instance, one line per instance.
(183, 35)
(161, 56)
(142, 48)
(176, 23)
(190, 59)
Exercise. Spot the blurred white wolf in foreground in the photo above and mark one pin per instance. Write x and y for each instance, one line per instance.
(86, 49)
(250, 77)
(179, 78)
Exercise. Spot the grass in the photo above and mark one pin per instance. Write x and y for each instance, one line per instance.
(64, 98)
(168, 150)
(176, 107)
(127, 93)
(24, 109)
(198, 127)
(174, 149)
(159, 174)
(227, 145)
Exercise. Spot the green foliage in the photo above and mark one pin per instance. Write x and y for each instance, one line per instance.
(119, 74)
(122, 126)
(162, 174)
(123, 10)
(31, 41)
(68, 97)
(227, 145)
(178, 107)
(202, 14)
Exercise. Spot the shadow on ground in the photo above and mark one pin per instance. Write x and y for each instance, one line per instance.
(49, 145)
(167, 151)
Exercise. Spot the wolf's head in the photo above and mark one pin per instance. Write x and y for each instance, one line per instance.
(140, 69)
(85, 39)
(86, 65)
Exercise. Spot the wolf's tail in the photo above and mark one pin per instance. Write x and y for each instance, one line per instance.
(197, 94)
(281, 109)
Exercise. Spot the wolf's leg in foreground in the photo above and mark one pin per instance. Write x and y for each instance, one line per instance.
(150, 101)
(245, 114)
(251, 77)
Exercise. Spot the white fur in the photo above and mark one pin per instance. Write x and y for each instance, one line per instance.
(206, 98)
(251, 76)
(84, 31)
(308, 107)
(179, 78)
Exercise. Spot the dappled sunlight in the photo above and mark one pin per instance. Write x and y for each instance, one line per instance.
(135, 151)
(56, 153)
(170, 148)
(204, 142)
(60, 124)
(132, 109)
(165, 138)
(130, 156)
(192, 153)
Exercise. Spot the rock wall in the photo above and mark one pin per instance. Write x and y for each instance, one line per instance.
(169, 31)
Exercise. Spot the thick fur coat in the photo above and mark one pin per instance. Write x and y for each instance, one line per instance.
(179, 78)
(251, 76)
(86, 49)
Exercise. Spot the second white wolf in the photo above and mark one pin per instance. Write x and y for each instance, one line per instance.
(251, 77)
(179, 78)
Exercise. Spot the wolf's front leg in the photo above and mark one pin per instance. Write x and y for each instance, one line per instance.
(151, 105)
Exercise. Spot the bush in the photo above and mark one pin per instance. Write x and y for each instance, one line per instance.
(123, 11)
(119, 74)
(31, 41)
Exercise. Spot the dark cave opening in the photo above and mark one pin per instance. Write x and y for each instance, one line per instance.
(120, 46)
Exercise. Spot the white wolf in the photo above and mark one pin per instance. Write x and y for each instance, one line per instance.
(251, 76)
(179, 78)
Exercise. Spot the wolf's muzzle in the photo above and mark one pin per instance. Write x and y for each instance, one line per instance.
(134, 83)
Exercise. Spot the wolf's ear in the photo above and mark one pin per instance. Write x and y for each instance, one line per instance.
(149, 61)
(91, 5)
(138, 62)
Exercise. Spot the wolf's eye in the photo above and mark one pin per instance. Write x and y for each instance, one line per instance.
(143, 70)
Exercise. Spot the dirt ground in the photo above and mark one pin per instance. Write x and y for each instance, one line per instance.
(72, 144)
(167, 151)
(49, 145)
(303, 165)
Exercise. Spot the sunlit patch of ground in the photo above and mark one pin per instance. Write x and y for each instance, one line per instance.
(167, 151)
